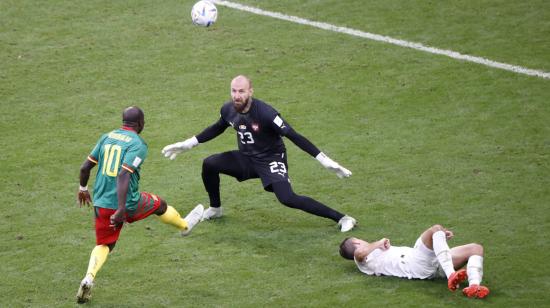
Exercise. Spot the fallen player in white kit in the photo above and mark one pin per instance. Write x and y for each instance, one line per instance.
(431, 257)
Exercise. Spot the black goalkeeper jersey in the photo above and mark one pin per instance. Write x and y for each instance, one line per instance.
(259, 130)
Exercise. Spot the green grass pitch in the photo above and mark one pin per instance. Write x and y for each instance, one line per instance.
(429, 140)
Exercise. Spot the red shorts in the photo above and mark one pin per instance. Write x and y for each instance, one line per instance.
(105, 234)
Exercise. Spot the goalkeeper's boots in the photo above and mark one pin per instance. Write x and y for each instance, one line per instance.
(476, 291)
(193, 218)
(212, 213)
(85, 290)
(456, 278)
(347, 223)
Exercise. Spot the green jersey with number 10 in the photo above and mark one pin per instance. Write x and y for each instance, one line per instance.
(121, 148)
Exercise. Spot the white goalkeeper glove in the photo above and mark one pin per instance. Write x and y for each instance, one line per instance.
(172, 150)
(330, 164)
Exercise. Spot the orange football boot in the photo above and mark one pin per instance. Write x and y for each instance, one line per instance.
(456, 278)
(476, 291)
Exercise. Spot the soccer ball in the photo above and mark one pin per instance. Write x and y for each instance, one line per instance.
(204, 13)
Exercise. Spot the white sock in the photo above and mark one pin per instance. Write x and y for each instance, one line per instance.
(443, 253)
(475, 269)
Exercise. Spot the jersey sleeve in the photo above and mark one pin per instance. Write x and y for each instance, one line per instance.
(215, 129)
(94, 155)
(369, 264)
(284, 129)
(303, 143)
(280, 125)
(212, 131)
(134, 157)
(276, 121)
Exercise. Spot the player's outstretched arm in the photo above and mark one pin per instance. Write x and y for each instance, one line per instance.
(362, 252)
(83, 195)
(308, 147)
(209, 133)
(172, 150)
(331, 165)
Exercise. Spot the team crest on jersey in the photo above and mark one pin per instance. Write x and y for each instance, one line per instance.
(255, 127)
(243, 127)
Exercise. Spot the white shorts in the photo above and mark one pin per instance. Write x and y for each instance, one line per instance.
(423, 262)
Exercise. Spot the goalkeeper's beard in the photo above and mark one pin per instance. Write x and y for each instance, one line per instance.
(240, 106)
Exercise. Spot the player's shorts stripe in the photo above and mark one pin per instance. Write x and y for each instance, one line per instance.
(128, 168)
(93, 160)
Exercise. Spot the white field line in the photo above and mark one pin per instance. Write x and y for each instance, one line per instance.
(387, 39)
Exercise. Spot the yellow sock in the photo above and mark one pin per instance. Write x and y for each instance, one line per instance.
(98, 257)
(172, 217)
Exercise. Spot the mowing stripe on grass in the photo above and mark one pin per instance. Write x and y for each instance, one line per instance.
(387, 39)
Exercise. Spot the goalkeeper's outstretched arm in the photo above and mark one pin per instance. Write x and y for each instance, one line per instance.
(209, 133)
(308, 147)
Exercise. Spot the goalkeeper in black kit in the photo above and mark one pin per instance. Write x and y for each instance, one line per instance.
(261, 154)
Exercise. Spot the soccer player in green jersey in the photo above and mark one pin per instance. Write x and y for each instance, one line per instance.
(119, 155)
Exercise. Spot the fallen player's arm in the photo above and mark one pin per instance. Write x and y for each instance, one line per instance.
(361, 253)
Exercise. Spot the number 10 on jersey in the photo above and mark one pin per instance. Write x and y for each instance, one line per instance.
(111, 159)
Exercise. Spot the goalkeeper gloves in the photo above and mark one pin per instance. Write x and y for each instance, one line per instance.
(328, 163)
(172, 150)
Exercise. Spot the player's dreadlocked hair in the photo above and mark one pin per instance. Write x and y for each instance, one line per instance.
(347, 248)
